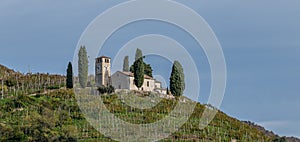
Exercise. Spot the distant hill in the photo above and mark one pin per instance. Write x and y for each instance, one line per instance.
(260, 128)
(292, 139)
(270, 133)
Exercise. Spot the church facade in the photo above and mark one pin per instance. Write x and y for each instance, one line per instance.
(123, 80)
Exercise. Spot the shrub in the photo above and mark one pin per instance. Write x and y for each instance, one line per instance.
(103, 89)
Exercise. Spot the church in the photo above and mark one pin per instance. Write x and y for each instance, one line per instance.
(122, 80)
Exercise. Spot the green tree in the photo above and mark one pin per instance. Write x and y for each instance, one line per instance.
(147, 67)
(138, 71)
(138, 54)
(69, 80)
(106, 89)
(177, 84)
(82, 66)
(126, 64)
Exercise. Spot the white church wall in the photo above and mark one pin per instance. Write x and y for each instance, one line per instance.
(120, 81)
(157, 85)
(148, 85)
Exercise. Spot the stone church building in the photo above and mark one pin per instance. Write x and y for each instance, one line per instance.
(122, 80)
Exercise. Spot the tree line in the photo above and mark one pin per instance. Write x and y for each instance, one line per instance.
(140, 68)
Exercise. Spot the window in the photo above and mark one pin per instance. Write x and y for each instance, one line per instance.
(106, 60)
(147, 83)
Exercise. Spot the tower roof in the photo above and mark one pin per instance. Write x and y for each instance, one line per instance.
(103, 57)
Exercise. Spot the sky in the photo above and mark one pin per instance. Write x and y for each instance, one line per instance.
(260, 41)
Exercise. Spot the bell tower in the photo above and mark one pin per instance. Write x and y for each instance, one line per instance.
(102, 71)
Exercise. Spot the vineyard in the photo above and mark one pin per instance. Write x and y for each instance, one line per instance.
(56, 117)
(37, 107)
(18, 83)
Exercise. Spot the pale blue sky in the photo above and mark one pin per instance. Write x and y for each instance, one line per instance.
(260, 39)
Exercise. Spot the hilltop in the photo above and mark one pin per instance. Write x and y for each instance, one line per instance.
(55, 116)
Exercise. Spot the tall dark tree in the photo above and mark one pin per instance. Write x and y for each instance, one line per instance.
(126, 64)
(138, 71)
(179, 66)
(69, 81)
(177, 84)
(147, 67)
(83, 67)
(138, 54)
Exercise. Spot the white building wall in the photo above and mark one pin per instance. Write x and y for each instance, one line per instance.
(120, 81)
(148, 85)
(132, 85)
(157, 85)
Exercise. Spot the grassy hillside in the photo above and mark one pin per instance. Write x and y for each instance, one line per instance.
(56, 117)
(35, 109)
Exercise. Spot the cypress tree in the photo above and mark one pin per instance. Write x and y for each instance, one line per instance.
(138, 54)
(147, 67)
(126, 64)
(138, 72)
(69, 80)
(177, 84)
(181, 74)
(82, 67)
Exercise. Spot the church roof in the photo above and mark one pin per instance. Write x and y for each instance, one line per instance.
(130, 74)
